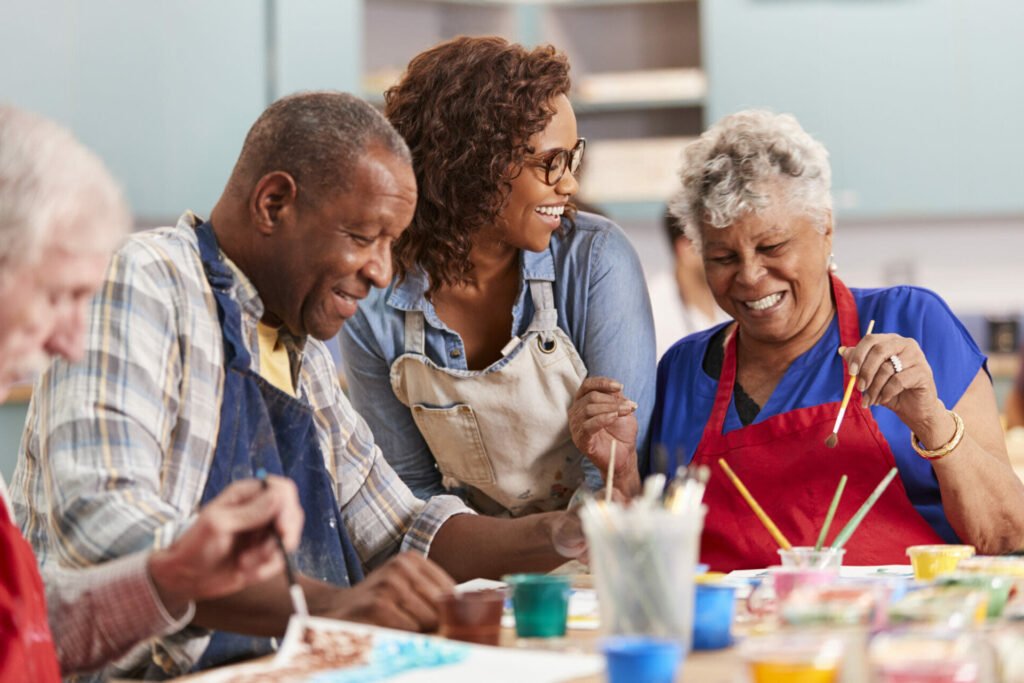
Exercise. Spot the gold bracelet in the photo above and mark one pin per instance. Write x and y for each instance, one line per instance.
(944, 450)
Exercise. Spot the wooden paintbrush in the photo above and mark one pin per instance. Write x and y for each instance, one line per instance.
(294, 589)
(832, 439)
(611, 475)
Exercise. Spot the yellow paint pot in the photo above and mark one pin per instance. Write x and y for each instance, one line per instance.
(930, 561)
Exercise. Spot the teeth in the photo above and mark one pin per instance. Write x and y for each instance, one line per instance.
(766, 302)
(550, 210)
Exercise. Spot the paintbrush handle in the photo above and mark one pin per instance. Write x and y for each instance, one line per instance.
(611, 474)
(849, 389)
(831, 512)
(855, 521)
(760, 513)
(846, 402)
(294, 589)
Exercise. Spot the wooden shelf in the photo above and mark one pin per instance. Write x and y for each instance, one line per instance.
(592, 107)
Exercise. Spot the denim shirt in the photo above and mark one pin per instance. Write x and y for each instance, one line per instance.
(603, 306)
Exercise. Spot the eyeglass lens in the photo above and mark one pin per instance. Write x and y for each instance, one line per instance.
(565, 158)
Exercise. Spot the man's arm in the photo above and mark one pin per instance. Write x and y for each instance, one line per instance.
(99, 613)
(471, 546)
(401, 594)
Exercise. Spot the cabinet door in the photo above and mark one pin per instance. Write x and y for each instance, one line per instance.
(919, 103)
(163, 91)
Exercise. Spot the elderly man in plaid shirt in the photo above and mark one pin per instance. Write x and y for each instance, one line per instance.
(61, 215)
(204, 361)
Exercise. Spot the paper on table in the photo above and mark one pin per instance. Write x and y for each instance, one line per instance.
(846, 572)
(475, 662)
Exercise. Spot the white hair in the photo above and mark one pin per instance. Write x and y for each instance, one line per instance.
(738, 166)
(51, 184)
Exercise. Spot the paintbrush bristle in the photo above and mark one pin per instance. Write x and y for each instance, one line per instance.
(832, 440)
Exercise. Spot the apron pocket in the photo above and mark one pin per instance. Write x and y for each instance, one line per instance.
(454, 438)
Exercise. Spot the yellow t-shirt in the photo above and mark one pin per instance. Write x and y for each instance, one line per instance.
(275, 367)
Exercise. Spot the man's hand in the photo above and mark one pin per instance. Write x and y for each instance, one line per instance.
(230, 545)
(402, 593)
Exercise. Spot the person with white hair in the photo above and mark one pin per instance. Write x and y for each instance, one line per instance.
(763, 392)
(61, 216)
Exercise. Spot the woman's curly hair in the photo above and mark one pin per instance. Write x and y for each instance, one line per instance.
(467, 109)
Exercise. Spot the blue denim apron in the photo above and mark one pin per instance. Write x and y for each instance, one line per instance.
(262, 426)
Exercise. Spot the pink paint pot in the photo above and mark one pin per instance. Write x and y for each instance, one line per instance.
(787, 579)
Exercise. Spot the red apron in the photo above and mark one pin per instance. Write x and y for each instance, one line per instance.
(786, 466)
(26, 647)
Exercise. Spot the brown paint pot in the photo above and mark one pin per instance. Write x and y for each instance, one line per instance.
(472, 616)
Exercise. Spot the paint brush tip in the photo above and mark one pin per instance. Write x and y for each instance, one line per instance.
(832, 440)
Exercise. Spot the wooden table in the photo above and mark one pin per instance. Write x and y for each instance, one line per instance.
(712, 666)
(718, 666)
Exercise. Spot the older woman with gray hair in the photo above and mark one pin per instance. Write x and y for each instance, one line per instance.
(763, 391)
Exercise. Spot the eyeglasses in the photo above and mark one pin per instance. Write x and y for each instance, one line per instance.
(557, 161)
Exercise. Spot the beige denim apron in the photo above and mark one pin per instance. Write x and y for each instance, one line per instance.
(501, 433)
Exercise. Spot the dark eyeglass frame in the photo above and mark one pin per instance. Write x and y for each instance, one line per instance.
(571, 160)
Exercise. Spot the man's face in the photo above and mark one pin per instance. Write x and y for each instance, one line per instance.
(43, 308)
(341, 247)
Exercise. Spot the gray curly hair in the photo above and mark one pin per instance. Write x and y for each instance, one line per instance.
(736, 166)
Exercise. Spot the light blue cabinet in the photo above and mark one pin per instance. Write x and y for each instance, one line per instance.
(165, 91)
(920, 102)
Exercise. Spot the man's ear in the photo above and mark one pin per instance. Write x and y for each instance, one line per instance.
(272, 201)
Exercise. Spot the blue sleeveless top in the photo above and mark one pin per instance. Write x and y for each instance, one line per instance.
(685, 392)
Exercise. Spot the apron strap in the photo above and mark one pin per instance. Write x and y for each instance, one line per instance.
(222, 280)
(545, 316)
(414, 336)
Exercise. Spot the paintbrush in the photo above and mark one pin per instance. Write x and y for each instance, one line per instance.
(611, 475)
(851, 526)
(832, 439)
(294, 589)
(759, 512)
(831, 513)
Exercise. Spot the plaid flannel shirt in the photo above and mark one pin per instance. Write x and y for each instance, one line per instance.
(117, 447)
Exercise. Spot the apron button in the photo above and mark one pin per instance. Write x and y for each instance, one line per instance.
(455, 353)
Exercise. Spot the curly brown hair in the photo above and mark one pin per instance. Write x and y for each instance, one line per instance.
(467, 109)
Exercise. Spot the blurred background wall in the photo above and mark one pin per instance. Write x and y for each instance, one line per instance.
(919, 101)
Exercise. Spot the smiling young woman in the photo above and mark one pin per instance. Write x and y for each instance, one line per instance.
(468, 365)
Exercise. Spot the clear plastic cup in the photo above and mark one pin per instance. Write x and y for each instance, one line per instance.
(788, 578)
(929, 656)
(833, 605)
(941, 606)
(785, 657)
(643, 561)
(997, 587)
(807, 556)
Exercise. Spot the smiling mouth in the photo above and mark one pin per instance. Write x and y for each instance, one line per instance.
(552, 211)
(764, 303)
